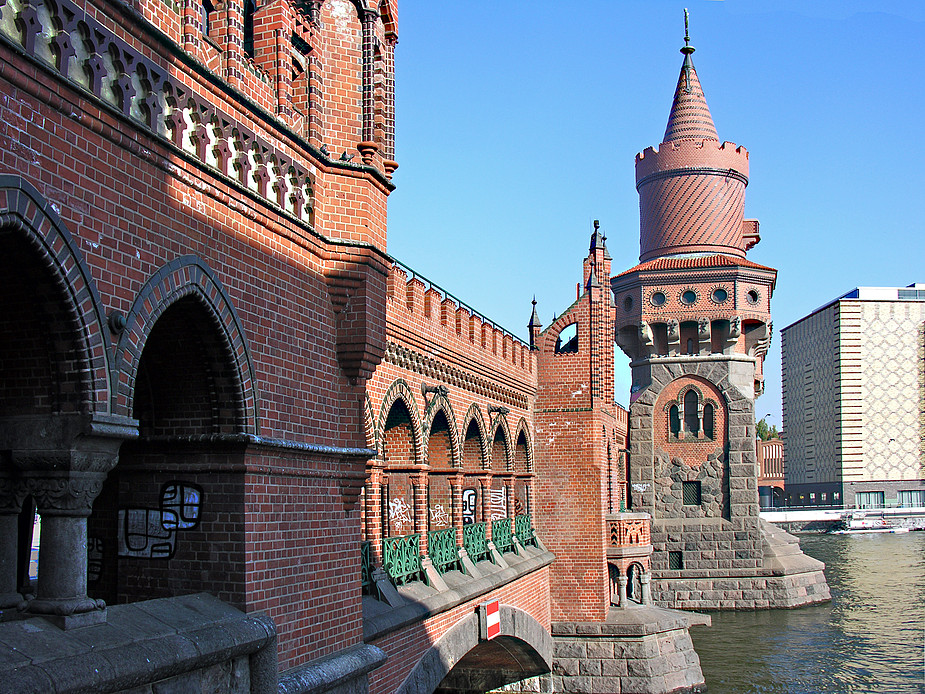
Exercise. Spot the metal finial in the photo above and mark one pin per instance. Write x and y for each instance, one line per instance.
(534, 301)
(688, 48)
(597, 225)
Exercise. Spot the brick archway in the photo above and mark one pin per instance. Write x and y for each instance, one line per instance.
(25, 213)
(187, 277)
(453, 662)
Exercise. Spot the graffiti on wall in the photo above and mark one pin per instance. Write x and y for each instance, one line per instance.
(94, 559)
(469, 506)
(499, 503)
(151, 533)
(439, 518)
(399, 513)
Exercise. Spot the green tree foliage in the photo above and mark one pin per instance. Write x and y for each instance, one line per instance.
(765, 433)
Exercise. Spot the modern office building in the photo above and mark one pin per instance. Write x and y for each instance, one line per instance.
(854, 400)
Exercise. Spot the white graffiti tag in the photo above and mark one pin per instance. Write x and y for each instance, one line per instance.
(438, 516)
(399, 513)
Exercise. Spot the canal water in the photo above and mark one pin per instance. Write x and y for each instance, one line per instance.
(870, 638)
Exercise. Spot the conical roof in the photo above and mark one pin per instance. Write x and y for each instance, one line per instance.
(690, 116)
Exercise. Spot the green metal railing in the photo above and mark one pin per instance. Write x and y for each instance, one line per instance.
(523, 529)
(475, 542)
(366, 570)
(401, 558)
(502, 536)
(442, 548)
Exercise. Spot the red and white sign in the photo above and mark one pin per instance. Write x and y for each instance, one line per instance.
(492, 619)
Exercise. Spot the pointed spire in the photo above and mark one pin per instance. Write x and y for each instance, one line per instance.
(690, 116)
(592, 280)
(534, 319)
(597, 238)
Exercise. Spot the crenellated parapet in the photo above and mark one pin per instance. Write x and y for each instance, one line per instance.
(691, 154)
(443, 321)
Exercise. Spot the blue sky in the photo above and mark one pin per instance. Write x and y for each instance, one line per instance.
(518, 122)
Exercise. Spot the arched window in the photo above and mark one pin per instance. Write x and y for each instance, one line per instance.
(690, 346)
(567, 342)
(208, 10)
(674, 421)
(249, 10)
(708, 420)
(691, 420)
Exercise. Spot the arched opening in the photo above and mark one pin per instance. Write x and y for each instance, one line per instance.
(472, 466)
(168, 521)
(440, 458)
(674, 421)
(634, 583)
(659, 338)
(460, 661)
(522, 482)
(691, 415)
(708, 420)
(43, 375)
(248, 42)
(499, 468)
(567, 342)
(208, 12)
(398, 455)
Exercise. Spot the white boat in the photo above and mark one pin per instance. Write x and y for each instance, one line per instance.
(859, 523)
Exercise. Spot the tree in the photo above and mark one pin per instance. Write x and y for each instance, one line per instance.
(766, 433)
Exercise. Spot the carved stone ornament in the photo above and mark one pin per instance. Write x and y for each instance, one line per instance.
(65, 493)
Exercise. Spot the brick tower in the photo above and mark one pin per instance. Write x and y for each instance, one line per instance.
(694, 318)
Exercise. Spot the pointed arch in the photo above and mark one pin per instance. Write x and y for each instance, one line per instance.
(500, 422)
(188, 277)
(524, 430)
(474, 417)
(25, 213)
(400, 390)
(441, 403)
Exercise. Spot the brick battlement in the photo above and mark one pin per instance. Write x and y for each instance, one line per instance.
(449, 321)
(683, 154)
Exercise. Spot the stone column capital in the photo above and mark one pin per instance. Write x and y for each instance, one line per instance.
(64, 492)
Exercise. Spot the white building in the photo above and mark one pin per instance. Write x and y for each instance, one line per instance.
(853, 375)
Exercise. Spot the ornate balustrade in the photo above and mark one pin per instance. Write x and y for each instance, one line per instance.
(401, 558)
(475, 542)
(502, 535)
(442, 548)
(523, 529)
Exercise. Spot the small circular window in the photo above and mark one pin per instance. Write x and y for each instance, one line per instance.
(689, 296)
(658, 298)
(719, 295)
(752, 297)
(628, 304)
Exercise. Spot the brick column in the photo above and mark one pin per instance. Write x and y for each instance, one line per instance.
(419, 491)
(456, 487)
(372, 510)
(485, 489)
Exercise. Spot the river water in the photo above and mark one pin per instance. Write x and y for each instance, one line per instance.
(870, 638)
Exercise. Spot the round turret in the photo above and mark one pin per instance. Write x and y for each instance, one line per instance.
(692, 188)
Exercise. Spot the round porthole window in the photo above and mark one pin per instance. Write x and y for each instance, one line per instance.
(658, 298)
(752, 297)
(689, 296)
(719, 295)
